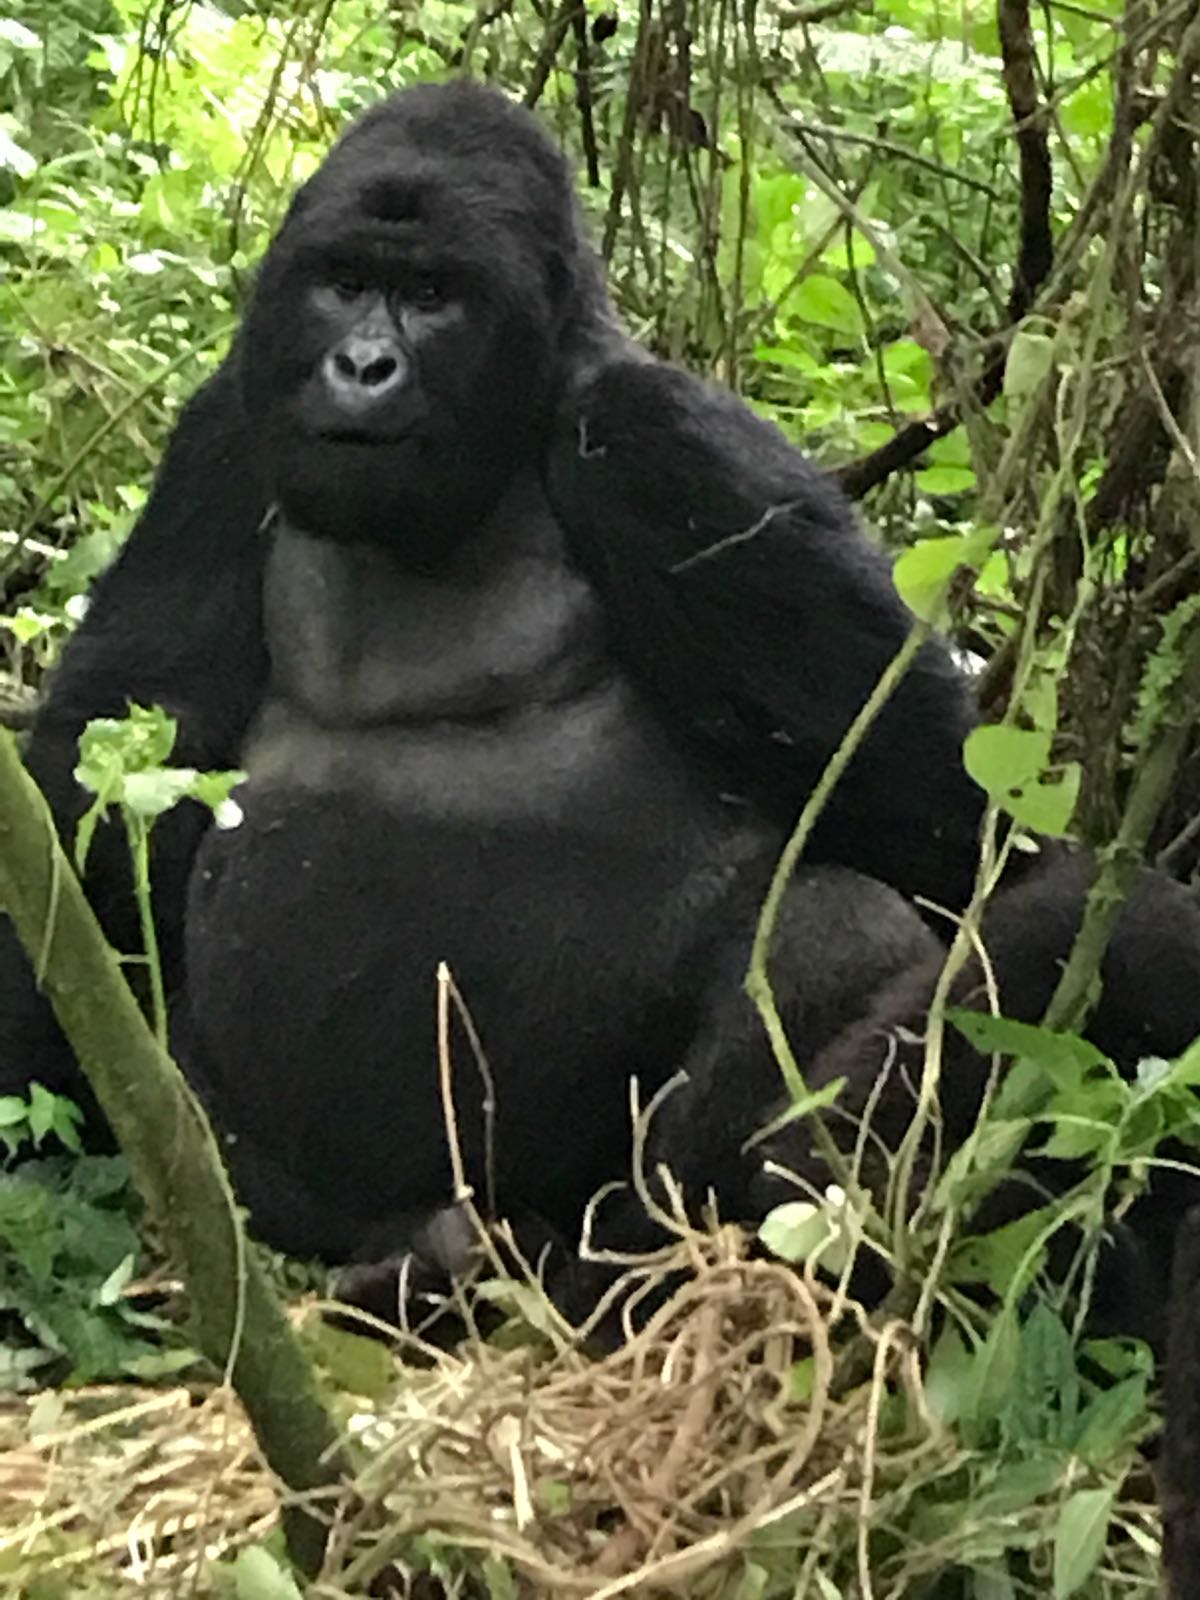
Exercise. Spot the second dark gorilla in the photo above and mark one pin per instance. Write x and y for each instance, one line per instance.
(532, 648)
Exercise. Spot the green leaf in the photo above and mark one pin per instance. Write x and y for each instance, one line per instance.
(997, 1257)
(1013, 766)
(114, 1286)
(497, 1574)
(14, 156)
(976, 1165)
(1017, 1485)
(946, 480)
(42, 1109)
(827, 303)
(1006, 757)
(948, 1391)
(923, 573)
(1115, 1420)
(149, 794)
(785, 355)
(1065, 1058)
(795, 1230)
(812, 1100)
(1044, 1400)
(258, 1576)
(1079, 1539)
(14, 1111)
(993, 1369)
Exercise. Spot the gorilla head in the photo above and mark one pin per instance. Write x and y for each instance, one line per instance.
(401, 351)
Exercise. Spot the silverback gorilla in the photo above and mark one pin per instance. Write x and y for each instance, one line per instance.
(532, 647)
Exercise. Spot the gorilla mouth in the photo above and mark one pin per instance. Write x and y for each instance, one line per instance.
(364, 438)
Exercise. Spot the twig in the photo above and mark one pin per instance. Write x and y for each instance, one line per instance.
(583, 95)
(1034, 259)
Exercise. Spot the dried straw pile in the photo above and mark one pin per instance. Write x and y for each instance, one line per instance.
(712, 1441)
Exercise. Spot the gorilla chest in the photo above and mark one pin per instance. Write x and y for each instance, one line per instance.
(487, 792)
(467, 732)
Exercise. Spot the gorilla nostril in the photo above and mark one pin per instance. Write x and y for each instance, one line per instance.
(343, 365)
(379, 372)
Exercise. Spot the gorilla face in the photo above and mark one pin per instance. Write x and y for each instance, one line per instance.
(399, 356)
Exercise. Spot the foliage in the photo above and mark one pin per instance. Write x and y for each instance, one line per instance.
(69, 1247)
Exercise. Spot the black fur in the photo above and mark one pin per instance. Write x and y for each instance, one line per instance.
(1180, 1464)
(532, 648)
(1149, 1005)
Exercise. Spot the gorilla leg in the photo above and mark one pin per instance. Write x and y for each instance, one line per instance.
(840, 938)
(1149, 1006)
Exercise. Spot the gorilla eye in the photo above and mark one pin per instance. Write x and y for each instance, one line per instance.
(347, 287)
(427, 295)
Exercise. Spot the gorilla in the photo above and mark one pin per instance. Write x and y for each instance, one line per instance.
(531, 647)
(1180, 1467)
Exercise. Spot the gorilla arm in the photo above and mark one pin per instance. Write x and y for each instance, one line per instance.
(743, 595)
(175, 621)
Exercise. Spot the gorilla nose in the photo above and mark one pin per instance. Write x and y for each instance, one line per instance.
(361, 372)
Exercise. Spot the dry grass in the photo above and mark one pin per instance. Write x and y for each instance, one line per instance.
(652, 1471)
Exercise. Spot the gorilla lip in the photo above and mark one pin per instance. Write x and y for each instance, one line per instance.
(355, 436)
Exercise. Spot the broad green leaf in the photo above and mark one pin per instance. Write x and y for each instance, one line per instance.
(786, 355)
(258, 1576)
(909, 357)
(1079, 1539)
(827, 303)
(41, 1111)
(14, 1111)
(998, 1257)
(1012, 766)
(149, 794)
(946, 480)
(843, 257)
(113, 1287)
(1006, 757)
(1017, 1485)
(1116, 1419)
(923, 573)
(1044, 1400)
(795, 1230)
(1064, 1057)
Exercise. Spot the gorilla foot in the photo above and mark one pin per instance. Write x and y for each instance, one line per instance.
(416, 1272)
